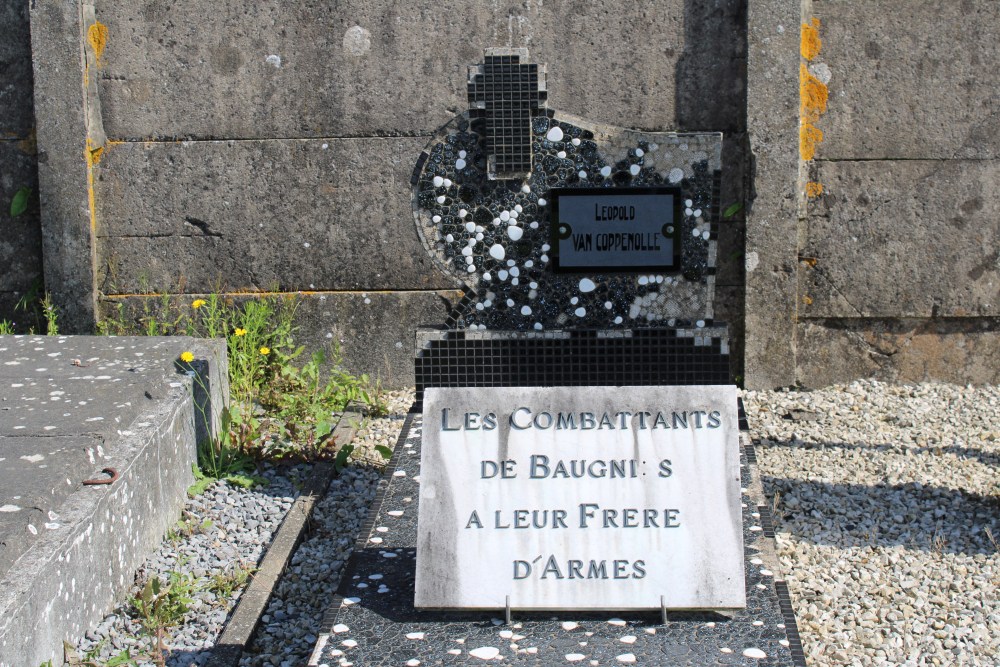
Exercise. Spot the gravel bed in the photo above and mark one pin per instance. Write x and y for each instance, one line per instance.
(289, 627)
(221, 530)
(885, 497)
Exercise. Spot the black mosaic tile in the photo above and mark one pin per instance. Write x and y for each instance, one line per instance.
(766, 521)
(742, 416)
(644, 357)
(373, 622)
(751, 454)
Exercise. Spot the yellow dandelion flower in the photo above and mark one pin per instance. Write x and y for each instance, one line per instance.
(198, 303)
(240, 332)
(265, 351)
(187, 357)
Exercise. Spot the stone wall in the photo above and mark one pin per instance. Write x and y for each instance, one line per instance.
(20, 236)
(267, 147)
(878, 256)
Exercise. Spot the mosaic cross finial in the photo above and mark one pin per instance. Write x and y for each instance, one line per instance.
(505, 93)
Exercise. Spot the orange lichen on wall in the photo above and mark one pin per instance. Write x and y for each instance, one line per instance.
(93, 155)
(97, 37)
(809, 137)
(811, 43)
(814, 189)
(813, 95)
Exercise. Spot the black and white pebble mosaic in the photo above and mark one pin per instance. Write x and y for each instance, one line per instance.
(494, 235)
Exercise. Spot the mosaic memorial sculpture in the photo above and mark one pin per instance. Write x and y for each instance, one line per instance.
(581, 236)
(578, 450)
(596, 241)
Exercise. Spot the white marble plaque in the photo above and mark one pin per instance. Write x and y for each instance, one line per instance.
(580, 498)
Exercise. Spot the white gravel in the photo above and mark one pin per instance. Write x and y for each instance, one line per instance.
(885, 497)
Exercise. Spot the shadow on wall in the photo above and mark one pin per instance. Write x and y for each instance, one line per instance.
(21, 243)
(710, 93)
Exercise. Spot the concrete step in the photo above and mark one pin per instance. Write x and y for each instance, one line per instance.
(70, 408)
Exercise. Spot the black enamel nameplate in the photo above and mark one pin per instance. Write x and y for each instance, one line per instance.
(616, 229)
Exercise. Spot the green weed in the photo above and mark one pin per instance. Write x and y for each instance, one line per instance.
(51, 315)
(187, 526)
(732, 210)
(280, 409)
(19, 202)
(90, 658)
(225, 584)
(162, 605)
(28, 310)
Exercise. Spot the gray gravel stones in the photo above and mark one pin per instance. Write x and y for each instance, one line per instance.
(223, 529)
(290, 625)
(885, 501)
(228, 527)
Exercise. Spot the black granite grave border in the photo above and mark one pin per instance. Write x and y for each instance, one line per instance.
(329, 615)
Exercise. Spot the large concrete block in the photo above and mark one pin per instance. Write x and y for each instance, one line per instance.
(16, 110)
(254, 215)
(905, 351)
(61, 119)
(904, 239)
(21, 240)
(910, 80)
(373, 330)
(360, 67)
(771, 216)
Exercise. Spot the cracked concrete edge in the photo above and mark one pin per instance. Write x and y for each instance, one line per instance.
(243, 622)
